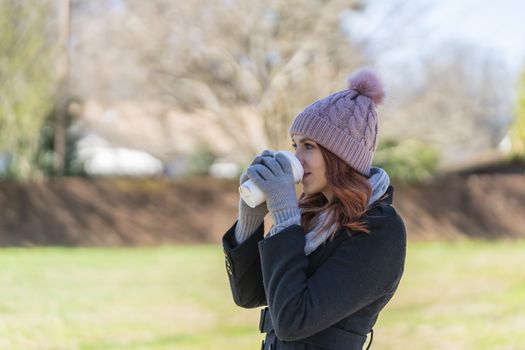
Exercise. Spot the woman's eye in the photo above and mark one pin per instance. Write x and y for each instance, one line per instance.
(308, 146)
(294, 146)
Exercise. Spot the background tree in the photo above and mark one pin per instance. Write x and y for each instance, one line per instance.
(517, 130)
(243, 61)
(246, 64)
(26, 82)
(460, 104)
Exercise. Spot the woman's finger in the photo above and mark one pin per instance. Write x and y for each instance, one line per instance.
(267, 153)
(272, 164)
(259, 171)
(284, 163)
(257, 160)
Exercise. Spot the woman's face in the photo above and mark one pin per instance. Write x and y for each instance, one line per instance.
(311, 158)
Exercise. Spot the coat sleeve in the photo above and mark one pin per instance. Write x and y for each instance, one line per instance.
(243, 266)
(359, 271)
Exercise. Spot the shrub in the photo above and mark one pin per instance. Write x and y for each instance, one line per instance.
(517, 128)
(407, 161)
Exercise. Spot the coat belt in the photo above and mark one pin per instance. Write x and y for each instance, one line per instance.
(331, 338)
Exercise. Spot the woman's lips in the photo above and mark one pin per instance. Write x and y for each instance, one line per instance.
(305, 175)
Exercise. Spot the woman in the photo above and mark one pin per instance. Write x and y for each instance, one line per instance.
(332, 260)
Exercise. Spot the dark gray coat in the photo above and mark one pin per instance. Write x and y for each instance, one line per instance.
(341, 286)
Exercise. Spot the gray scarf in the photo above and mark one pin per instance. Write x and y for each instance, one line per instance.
(379, 181)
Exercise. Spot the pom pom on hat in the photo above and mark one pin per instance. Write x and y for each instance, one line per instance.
(366, 82)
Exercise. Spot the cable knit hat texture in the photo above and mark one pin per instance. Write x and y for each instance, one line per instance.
(346, 122)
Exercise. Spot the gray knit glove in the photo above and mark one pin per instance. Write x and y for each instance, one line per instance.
(274, 176)
(250, 218)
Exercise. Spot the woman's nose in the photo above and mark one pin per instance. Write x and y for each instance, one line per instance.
(298, 156)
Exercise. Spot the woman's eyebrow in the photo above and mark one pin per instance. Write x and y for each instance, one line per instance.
(303, 140)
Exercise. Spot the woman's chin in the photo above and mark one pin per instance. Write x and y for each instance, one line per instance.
(307, 190)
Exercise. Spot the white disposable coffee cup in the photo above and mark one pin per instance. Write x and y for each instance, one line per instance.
(253, 196)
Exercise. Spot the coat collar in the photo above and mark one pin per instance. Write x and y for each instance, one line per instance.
(386, 198)
(389, 199)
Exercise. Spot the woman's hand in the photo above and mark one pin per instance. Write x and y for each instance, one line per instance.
(261, 209)
(250, 218)
(274, 176)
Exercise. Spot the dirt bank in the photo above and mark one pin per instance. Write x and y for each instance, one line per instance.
(76, 211)
(112, 212)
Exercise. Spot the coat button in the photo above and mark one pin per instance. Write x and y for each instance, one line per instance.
(229, 267)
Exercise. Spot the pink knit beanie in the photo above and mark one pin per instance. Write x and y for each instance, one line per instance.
(346, 121)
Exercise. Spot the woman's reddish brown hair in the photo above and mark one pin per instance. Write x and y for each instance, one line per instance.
(351, 192)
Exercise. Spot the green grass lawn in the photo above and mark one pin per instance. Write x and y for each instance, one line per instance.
(463, 295)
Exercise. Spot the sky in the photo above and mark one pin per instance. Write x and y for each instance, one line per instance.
(496, 25)
(399, 30)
